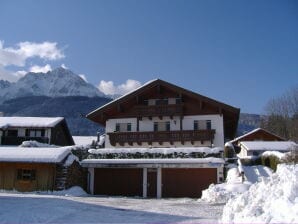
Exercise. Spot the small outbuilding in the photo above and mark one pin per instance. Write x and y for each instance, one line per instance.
(256, 148)
(39, 169)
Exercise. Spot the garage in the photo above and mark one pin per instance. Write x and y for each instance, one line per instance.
(118, 181)
(187, 182)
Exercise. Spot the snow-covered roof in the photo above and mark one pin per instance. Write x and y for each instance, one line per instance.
(33, 155)
(268, 145)
(84, 140)
(154, 161)
(205, 150)
(36, 122)
(251, 132)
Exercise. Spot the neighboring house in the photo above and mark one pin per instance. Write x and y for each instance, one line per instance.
(160, 115)
(50, 130)
(255, 148)
(257, 134)
(39, 169)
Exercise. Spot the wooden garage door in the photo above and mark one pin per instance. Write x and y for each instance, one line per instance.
(187, 182)
(118, 181)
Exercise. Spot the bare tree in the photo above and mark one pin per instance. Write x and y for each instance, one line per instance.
(282, 115)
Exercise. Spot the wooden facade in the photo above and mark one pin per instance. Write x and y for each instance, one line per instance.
(26, 177)
(43, 180)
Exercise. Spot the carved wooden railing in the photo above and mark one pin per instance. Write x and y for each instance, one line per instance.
(160, 136)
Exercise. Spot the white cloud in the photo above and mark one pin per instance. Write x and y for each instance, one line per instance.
(108, 87)
(83, 77)
(19, 54)
(43, 69)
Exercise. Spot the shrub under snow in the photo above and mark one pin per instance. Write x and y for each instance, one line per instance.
(272, 200)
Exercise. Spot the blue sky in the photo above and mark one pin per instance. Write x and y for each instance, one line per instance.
(239, 52)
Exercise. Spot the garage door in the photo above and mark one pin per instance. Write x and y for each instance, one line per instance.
(187, 182)
(114, 181)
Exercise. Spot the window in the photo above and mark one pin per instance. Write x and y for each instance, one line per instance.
(162, 102)
(26, 174)
(162, 126)
(208, 124)
(196, 125)
(123, 127)
(202, 125)
(12, 133)
(35, 133)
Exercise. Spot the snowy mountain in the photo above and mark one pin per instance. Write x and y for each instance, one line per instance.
(59, 82)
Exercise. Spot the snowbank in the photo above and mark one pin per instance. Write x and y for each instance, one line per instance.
(74, 191)
(272, 200)
(221, 193)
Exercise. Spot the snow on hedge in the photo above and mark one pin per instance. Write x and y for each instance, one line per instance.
(205, 150)
(272, 200)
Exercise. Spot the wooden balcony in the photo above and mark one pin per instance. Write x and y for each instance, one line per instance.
(160, 136)
(159, 110)
(11, 140)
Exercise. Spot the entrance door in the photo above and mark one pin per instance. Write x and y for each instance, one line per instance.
(151, 183)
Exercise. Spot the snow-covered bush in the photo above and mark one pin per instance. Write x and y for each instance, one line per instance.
(272, 200)
(36, 144)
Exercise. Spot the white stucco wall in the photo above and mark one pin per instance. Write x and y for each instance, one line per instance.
(187, 123)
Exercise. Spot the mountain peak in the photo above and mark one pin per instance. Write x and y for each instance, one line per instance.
(56, 83)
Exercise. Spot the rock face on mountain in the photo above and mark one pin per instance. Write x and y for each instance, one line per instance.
(59, 82)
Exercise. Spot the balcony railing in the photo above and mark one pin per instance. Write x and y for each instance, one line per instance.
(160, 110)
(161, 136)
(12, 140)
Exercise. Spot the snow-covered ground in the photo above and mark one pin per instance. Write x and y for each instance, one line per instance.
(58, 208)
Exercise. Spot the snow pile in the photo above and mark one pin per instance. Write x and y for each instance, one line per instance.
(273, 200)
(221, 193)
(74, 191)
(35, 144)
